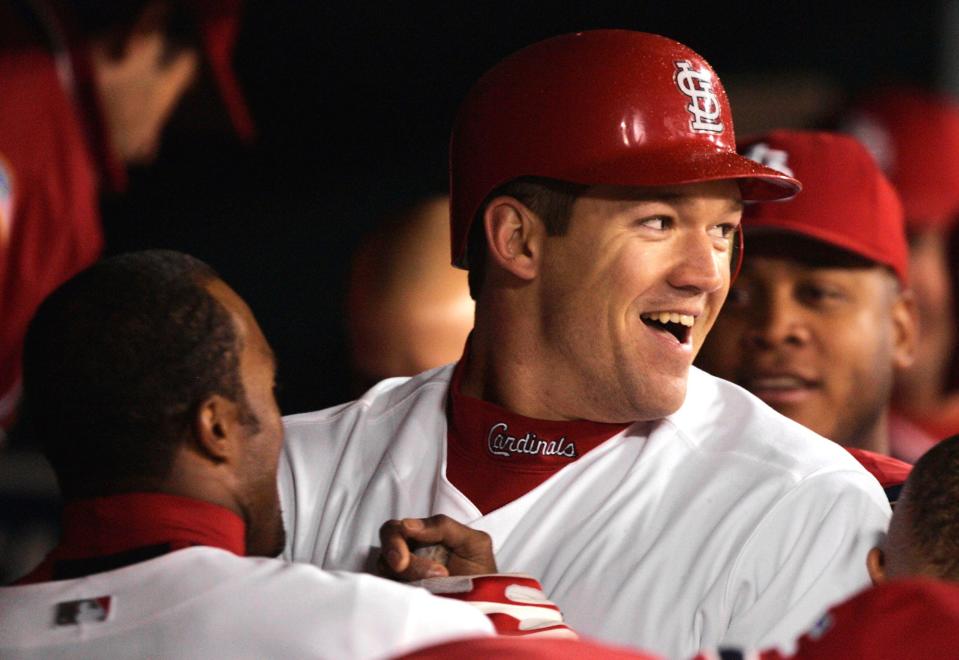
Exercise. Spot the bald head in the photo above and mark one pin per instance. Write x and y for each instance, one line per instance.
(408, 309)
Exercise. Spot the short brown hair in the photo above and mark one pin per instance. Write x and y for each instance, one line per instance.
(552, 200)
(932, 496)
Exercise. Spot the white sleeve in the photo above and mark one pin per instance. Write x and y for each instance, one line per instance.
(428, 620)
(807, 553)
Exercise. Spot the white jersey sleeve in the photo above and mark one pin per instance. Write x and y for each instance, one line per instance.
(807, 552)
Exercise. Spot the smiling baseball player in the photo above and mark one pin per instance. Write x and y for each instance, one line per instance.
(595, 200)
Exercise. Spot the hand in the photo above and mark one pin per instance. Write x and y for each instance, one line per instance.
(470, 550)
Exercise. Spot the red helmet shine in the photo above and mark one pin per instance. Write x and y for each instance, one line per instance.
(610, 107)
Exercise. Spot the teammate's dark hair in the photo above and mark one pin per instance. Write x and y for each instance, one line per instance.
(116, 364)
(113, 19)
(550, 199)
(932, 497)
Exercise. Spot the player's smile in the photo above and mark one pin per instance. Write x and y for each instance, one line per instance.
(781, 388)
(677, 324)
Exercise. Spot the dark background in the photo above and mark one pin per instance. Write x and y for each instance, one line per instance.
(354, 102)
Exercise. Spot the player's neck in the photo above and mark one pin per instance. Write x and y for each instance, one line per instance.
(875, 439)
(502, 368)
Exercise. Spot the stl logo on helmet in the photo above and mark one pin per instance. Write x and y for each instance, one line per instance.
(703, 105)
(763, 154)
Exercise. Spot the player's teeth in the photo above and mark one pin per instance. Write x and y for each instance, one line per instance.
(670, 317)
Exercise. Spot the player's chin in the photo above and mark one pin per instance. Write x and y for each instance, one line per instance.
(661, 400)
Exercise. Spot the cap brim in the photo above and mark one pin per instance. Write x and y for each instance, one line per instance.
(219, 25)
(680, 165)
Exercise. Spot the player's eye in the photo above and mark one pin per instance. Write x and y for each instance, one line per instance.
(724, 230)
(657, 222)
(817, 294)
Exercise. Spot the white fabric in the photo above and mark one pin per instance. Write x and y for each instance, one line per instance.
(725, 523)
(208, 603)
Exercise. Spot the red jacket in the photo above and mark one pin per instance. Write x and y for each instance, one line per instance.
(49, 217)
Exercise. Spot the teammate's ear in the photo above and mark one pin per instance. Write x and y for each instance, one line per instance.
(214, 428)
(514, 235)
(876, 565)
(905, 327)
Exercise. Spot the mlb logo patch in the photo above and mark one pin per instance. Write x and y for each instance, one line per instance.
(86, 610)
(6, 199)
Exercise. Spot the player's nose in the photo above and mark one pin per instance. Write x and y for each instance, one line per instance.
(701, 268)
(774, 322)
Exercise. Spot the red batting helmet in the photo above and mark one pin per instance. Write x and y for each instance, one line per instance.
(601, 107)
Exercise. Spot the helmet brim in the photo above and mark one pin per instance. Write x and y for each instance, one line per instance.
(679, 166)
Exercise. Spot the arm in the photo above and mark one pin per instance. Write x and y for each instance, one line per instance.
(807, 553)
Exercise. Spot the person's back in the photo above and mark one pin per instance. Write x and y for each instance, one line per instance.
(204, 602)
(150, 386)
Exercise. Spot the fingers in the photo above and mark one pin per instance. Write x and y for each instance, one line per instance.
(470, 551)
(396, 559)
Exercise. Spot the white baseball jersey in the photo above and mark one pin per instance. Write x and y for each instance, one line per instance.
(722, 523)
(203, 603)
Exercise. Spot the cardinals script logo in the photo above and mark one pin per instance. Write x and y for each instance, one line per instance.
(703, 105)
(500, 443)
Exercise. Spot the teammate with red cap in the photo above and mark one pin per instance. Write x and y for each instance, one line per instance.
(821, 314)
(95, 84)
(914, 135)
(596, 198)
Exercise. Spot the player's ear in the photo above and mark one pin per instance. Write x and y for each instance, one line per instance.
(904, 316)
(514, 235)
(215, 426)
(876, 565)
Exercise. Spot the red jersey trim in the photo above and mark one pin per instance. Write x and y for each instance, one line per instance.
(105, 526)
(495, 456)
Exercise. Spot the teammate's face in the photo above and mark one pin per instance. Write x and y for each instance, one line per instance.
(815, 343)
(263, 438)
(629, 293)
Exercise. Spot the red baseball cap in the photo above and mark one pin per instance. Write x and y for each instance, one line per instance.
(914, 136)
(219, 23)
(846, 201)
(914, 618)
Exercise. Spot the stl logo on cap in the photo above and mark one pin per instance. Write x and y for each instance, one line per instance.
(777, 159)
(703, 104)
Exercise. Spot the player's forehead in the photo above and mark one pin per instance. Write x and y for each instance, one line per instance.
(249, 334)
(724, 195)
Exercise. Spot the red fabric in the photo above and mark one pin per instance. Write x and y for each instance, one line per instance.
(104, 526)
(50, 211)
(914, 135)
(219, 22)
(846, 201)
(496, 456)
(907, 440)
(887, 470)
(494, 589)
(509, 648)
(914, 618)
